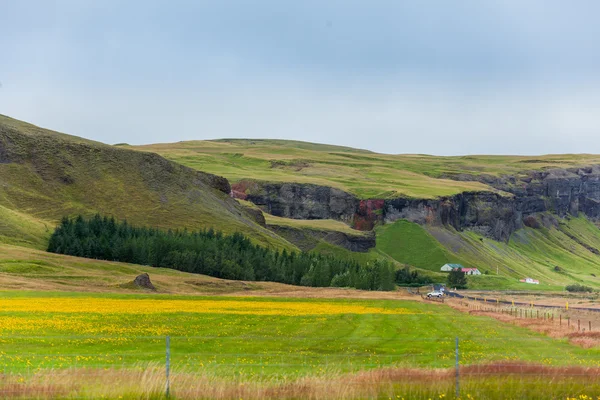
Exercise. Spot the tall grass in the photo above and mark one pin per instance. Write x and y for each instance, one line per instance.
(491, 381)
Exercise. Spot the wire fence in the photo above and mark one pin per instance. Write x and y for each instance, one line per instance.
(77, 367)
(575, 319)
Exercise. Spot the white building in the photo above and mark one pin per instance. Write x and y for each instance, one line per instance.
(530, 280)
(450, 267)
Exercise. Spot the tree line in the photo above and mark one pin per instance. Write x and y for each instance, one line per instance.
(213, 253)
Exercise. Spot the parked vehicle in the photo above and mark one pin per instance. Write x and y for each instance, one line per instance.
(435, 294)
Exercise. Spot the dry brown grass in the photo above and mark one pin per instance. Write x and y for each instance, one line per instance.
(149, 383)
(557, 327)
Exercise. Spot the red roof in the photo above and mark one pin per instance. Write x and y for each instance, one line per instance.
(468, 269)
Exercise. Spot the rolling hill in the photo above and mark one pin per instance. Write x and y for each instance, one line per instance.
(45, 175)
(511, 217)
(359, 172)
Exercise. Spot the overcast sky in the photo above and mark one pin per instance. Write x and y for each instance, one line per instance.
(398, 76)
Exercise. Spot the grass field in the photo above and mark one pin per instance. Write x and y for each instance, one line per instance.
(274, 336)
(227, 342)
(364, 173)
(30, 269)
(328, 225)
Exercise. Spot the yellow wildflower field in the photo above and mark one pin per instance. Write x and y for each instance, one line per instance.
(200, 306)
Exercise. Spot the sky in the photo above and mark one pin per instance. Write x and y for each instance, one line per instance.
(393, 76)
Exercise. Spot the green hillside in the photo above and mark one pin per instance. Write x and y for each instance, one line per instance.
(45, 175)
(556, 256)
(411, 244)
(364, 173)
(23, 230)
(25, 268)
(570, 244)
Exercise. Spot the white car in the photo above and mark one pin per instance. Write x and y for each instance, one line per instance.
(435, 294)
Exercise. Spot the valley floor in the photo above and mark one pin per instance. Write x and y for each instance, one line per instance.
(262, 347)
(68, 324)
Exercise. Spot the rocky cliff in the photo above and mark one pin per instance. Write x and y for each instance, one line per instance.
(560, 191)
(298, 201)
(495, 215)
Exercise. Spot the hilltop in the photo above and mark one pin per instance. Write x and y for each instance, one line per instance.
(362, 173)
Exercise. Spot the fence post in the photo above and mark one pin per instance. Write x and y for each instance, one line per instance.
(457, 372)
(168, 367)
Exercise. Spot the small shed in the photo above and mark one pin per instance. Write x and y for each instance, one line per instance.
(450, 267)
(531, 280)
(471, 271)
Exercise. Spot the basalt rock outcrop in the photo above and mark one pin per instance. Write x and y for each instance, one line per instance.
(496, 215)
(300, 201)
(487, 213)
(560, 191)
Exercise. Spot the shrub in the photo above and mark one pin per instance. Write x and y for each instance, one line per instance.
(579, 288)
(406, 277)
(531, 222)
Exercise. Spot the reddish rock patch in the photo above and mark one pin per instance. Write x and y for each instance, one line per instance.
(369, 212)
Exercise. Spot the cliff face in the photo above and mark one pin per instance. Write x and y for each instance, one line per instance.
(301, 201)
(487, 213)
(561, 191)
(497, 216)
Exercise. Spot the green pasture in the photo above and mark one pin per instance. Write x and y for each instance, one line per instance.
(422, 335)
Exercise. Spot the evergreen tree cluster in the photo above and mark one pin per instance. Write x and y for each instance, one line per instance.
(212, 253)
(457, 279)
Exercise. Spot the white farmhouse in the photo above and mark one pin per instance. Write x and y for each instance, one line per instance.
(450, 267)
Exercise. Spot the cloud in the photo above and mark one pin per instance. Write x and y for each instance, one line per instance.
(395, 118)
(497, 77)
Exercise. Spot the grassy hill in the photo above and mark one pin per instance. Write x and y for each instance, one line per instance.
(570, 244)
(556, 255)
(363, 173)
(45, 175)
(26, 268)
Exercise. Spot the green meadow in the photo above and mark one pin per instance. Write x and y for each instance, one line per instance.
(257, 336)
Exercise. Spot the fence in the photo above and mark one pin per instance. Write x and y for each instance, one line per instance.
(485, 299)
(210, 367)
(578, 319)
